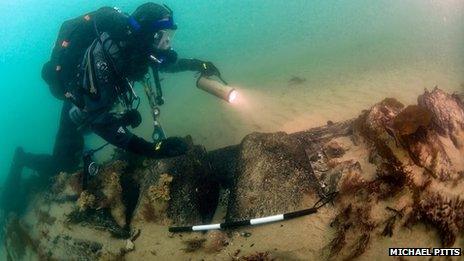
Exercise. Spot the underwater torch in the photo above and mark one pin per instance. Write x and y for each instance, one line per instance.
(217, 89)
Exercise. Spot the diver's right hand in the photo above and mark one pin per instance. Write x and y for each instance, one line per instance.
(170, 147)
(131, 117)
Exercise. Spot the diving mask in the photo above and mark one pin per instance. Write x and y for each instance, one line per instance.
(163, 39)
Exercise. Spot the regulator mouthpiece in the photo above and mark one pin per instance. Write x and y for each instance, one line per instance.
(217, 89)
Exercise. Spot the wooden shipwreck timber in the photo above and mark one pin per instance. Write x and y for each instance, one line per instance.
(398, 170)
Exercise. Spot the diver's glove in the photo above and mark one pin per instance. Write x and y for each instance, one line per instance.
(132, 118)
(208, 69)
(204, 68)
(170, 147)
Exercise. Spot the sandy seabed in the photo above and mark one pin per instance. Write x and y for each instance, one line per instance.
(281, 106)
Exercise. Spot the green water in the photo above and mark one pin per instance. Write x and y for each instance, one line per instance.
(351, 53)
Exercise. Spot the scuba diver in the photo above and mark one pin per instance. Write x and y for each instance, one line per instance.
(94, 64)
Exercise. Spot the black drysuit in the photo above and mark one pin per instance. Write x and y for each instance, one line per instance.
(66, 72)
(97, 101)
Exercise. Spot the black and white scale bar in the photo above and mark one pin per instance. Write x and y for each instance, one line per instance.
(249, 222)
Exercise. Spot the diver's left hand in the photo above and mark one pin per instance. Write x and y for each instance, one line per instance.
(209, 69)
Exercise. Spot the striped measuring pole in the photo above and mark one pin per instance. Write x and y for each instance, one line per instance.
(257, 221)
